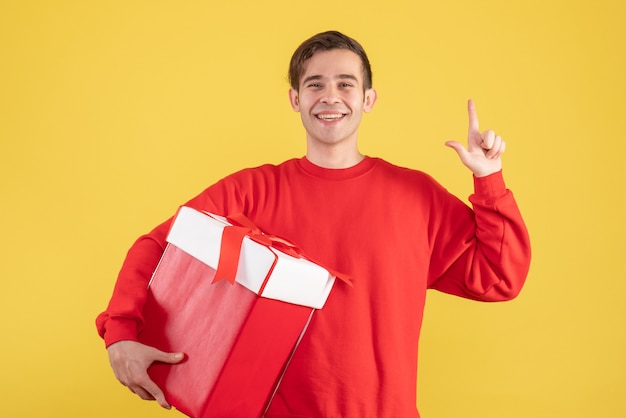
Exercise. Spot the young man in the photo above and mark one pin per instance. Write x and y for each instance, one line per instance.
(395, 231)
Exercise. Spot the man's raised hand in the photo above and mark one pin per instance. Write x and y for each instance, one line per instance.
(483, 151)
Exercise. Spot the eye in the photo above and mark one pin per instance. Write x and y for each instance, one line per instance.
(346, 85)
(315, 85)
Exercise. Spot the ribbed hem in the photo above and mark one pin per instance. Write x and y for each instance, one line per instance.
(489, 187)
(118, 329)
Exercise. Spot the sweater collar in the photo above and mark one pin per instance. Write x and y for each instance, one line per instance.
(357, 170)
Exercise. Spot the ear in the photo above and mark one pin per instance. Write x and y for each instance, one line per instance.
(293, 100)
(369, 100)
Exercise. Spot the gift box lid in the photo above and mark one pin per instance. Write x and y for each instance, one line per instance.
(292, 279)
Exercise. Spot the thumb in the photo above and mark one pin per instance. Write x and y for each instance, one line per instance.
(460, 149)
(164, 357)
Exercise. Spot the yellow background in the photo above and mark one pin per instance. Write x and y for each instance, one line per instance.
(112, 113)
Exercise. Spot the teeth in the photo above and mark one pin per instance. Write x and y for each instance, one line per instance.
(327, 116)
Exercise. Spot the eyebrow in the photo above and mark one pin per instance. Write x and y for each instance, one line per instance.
(338, 77)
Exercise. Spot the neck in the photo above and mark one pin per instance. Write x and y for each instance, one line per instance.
(334, 158)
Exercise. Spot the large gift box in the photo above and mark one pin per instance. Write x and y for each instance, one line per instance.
(237, 302)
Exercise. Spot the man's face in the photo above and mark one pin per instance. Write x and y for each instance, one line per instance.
(331, 99)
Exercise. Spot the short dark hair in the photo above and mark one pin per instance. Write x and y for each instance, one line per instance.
(327, 41)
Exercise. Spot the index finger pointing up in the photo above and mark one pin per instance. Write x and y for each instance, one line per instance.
(473, 119)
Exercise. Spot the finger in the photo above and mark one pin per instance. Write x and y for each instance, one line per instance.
(147, 390)
(473, 118)
(156, 393)
(139, 382)
(488, 139)
(141, 392)
(495, 147)
(454, 144)
(163, 357)
(498, 148)
(460, 149)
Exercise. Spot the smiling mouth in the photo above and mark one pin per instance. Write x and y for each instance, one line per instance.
(330, 116)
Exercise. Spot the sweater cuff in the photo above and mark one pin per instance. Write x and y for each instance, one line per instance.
(118, 329)
(489, 187)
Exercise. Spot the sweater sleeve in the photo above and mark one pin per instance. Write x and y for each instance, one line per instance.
(482, 254)
(123, 319)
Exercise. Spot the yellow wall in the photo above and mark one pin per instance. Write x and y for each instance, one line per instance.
(112, 113)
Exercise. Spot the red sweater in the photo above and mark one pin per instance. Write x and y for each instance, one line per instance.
(396, 232)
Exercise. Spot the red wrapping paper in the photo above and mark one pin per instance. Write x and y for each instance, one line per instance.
(236, 343)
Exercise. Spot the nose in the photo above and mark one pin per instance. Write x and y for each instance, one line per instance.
(330, 95)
